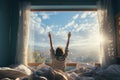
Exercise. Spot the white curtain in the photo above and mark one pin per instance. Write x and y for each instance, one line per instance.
(23, 30)
(107, 31)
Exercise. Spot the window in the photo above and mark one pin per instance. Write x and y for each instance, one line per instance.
(84, 43)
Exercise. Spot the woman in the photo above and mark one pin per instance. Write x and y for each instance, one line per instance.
(59, 56)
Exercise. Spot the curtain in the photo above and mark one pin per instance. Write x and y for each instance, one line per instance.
(23, 30)
(107, 31)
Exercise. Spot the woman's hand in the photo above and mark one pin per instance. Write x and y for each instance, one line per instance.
(69, 34)
(49, 35)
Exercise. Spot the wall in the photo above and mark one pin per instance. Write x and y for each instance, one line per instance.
(14, 30)
(4, 32)
(116, 8)
(7, 18)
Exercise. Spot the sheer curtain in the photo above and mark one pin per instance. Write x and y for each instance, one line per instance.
(23, 30)
(107, 31)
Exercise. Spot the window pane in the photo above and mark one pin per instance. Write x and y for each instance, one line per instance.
(83, 25)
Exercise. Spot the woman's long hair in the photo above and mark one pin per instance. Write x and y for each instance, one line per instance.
(59, 52)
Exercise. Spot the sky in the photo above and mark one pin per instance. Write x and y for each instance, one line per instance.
(83, 26)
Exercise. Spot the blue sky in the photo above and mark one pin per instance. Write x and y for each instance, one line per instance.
(83, 26)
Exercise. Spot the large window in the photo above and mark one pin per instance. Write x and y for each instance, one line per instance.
(83, 25)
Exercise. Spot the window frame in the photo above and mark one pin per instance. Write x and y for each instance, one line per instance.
(77, 8)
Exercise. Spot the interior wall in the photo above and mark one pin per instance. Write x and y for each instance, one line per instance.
(14, 30)
(7, 18)
(116, 8)
(4, 32)
(59, 2)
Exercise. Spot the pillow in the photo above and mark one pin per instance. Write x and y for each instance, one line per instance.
(6, 79)
(11, 73)
(59, 75)
(24, 69)
(43, 71)
(43, 65)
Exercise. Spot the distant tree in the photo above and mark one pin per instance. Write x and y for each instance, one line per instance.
(37, 57)
(30, 55)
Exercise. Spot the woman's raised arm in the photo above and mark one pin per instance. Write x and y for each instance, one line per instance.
(66, 48)
(51, 46)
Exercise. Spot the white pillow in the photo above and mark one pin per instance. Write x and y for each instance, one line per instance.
(11, 73)
(23, 69)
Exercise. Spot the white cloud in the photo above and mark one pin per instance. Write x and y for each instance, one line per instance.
(91, 42)
(80, 27)
(61, 32)
(45, 16)
(36, 24)
(73, 30)
(38, 20)
(76, 16)
(75, 26)
(84, 27)
(63, 28)
(70, 24)
(38, 28)
(89, 13)
(93, 14)
(79, 43)
(84, 15)
(41, 30)
(48, 29)
(43, 39)
(41, 44)
(33, 14)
